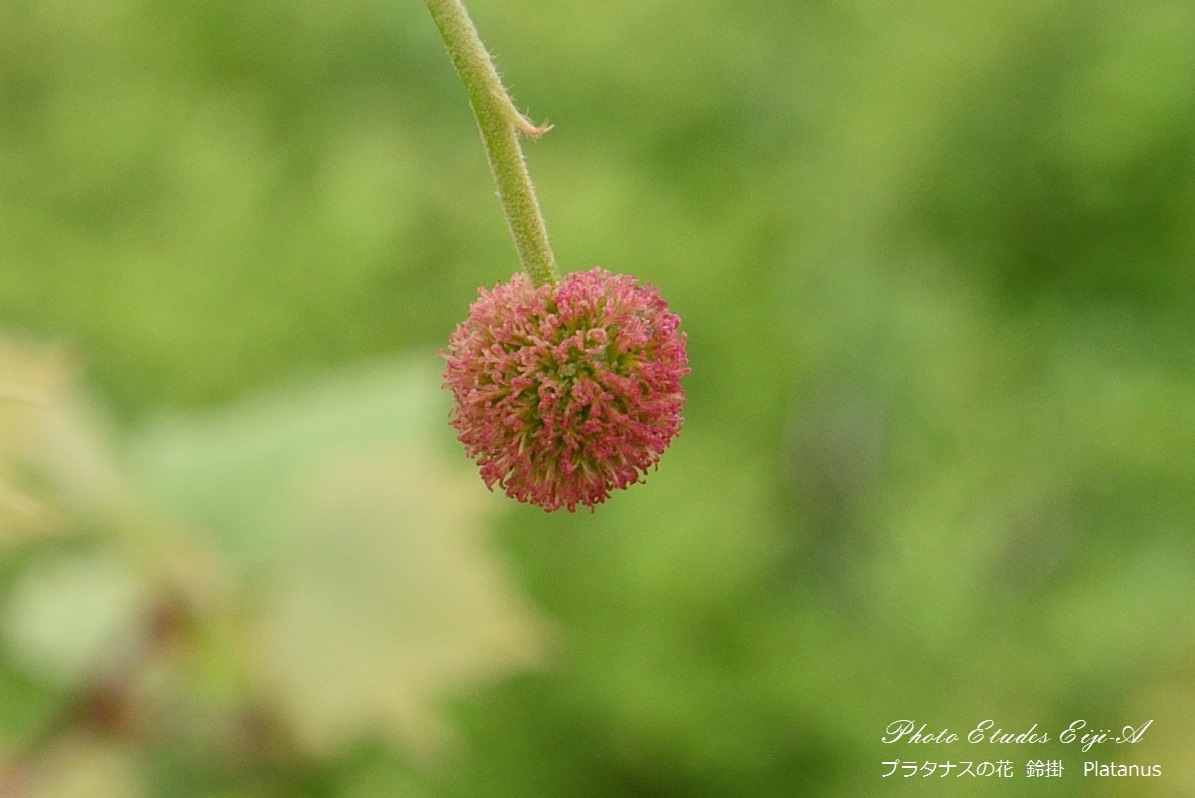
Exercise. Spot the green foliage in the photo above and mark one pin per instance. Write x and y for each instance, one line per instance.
(297, 575)
(934, 264)
(359, 541)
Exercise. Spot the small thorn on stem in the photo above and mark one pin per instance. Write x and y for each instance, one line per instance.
(532, 130)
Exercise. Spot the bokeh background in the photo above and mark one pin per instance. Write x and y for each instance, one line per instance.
(936, 263)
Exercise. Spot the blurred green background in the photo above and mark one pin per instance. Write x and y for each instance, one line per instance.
(936, 263)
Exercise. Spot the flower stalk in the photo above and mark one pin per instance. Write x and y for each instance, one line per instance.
(501, 124)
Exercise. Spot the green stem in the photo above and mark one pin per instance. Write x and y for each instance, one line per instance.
(500, 123)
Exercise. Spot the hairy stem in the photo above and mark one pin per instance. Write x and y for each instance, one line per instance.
(500, 123)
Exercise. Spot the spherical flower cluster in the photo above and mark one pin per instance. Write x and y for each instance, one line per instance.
(568, 391)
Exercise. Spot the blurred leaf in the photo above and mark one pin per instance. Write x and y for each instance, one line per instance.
(85, 769)
(363, 545)
(30, 378)
(69, 617)
(55, 447)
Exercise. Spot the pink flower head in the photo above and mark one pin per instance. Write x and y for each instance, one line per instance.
(568, 391)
